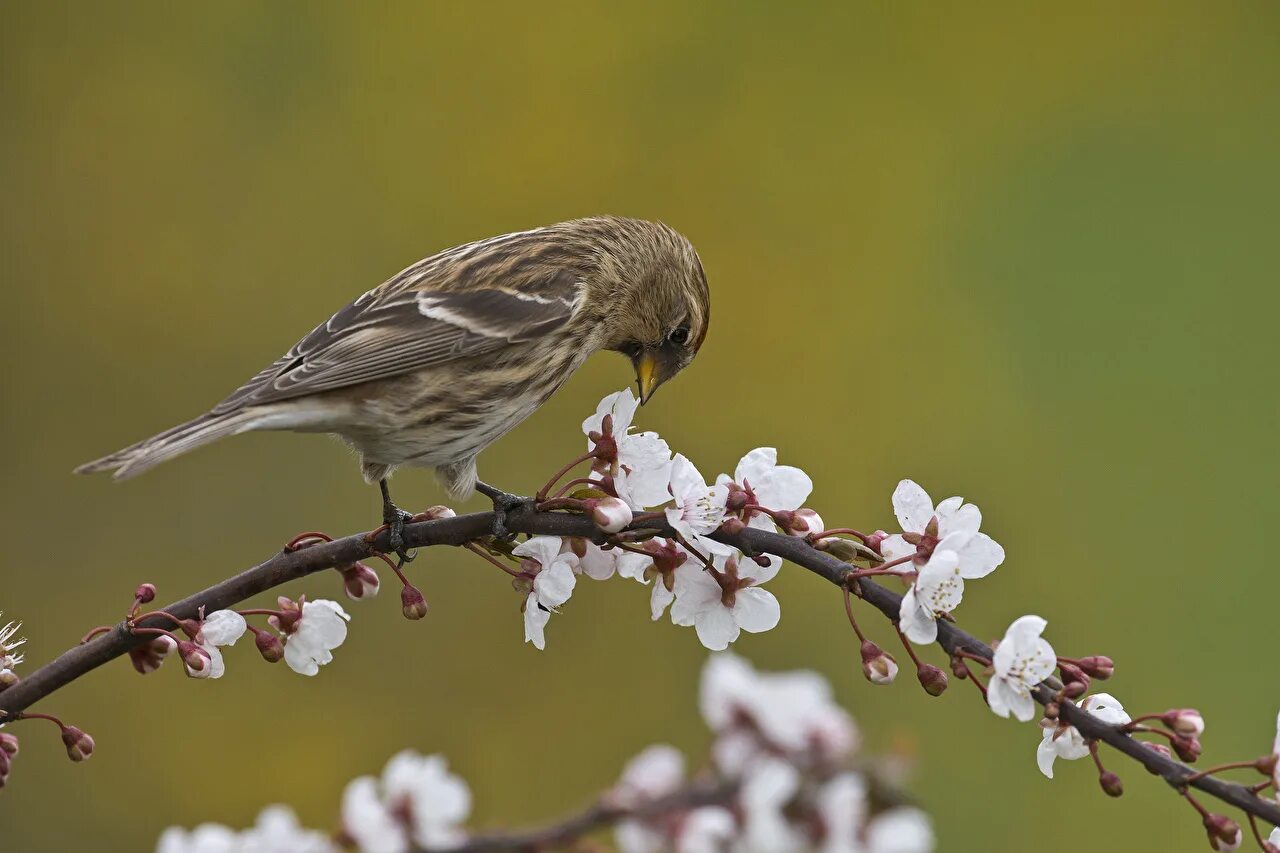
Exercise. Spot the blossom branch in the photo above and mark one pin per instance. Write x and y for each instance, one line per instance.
(291, 565)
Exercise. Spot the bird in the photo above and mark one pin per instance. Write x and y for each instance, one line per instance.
(441, 360)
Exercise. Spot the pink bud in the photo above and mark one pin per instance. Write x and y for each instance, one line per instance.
(877, 665)
(1160, 748)
(148, 657)
(412, 603)
(195, 660)
(1075, 689)
(733, 525)
(145, 593)
(1111, 783)
(79, 745)
(932, 679)
(1072, 674)
(8, 744)
(610, 514)
(804, 522)
(8, 678)
(1188, 748)
(875, 540)
(359, 581)
(1100, 667)
(437, 511)
(1184, 721)
(1224, 833)
(269, 646)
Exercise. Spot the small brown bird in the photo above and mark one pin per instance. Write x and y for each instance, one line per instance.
(437, 363)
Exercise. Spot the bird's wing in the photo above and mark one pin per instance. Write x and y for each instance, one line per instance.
(403, 326)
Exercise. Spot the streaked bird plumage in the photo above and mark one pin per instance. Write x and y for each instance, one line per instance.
(444, 358)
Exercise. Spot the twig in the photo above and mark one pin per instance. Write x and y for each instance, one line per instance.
(289, 566)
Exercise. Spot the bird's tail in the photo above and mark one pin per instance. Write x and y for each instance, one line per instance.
(144, 455)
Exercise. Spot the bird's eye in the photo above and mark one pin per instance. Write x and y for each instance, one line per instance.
(631, 350)
(679, 336)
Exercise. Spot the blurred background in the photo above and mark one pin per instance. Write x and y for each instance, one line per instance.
(1026, 259)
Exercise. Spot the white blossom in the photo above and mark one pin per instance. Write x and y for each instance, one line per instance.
(789, 712)
(220, 628)
(644, 569)
(900, 830)
(842, 806)
(1066, 742)
(276, 831)
(552, 584)
(768, 786)
(937, 590)
(706, 830)
(698, 508)
(1022, 660)
(654, 773)
(321, 628)
(978, 554)
(417, 803)
(773, 486)
(8, 657)
(595, 562)
(644, 459)
(720, 613)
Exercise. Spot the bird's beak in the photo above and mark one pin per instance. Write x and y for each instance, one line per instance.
(647, 376)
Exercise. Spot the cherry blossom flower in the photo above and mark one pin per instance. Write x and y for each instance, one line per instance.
(792, 713)
(1064, 741)
(937, 590)
(705, 830)
(417, 803)
(311, 630)
(926, 527)
(768, 786)
(1022, 660)
(643, 468)
(551, 567)
(219, 628)
(900, 830)
(148, 657)
(657, 568)
(8, 658)
(763, 482)
(275, 831)
(592, 560)
(699, 508)
(720, 609)
(654, 773)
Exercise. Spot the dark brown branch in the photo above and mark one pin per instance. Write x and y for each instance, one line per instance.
(289, 566)
(600, 815)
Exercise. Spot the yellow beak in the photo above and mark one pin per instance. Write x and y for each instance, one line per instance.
(646, 376)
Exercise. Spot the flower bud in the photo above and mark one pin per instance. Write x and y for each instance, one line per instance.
(1072, 674)
(8, 744)
(1160, 748)
(1052, 710)
(1100, 667)
(437, 511)
(269, 646)
(804, 522)
(877, 665)
(1224, 833)
(6, 764)
(195, 660)
(412, 603)
(610, 514)
(1267, 764)
(1111, 783)
(733, 525)
(1188, 748)
(8, 677)
(148, 657)
(359, 581)
(1184, 721)
(875, 540)
(737, 499)
(145, 593)
(79, 745)
(932, 679)
(1075, 689)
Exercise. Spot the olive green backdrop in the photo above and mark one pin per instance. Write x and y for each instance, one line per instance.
(1027, 259)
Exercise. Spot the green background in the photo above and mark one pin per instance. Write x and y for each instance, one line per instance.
(1023, 257)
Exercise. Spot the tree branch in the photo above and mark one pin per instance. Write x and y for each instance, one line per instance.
(292, 565)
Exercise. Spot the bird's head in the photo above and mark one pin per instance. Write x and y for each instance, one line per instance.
(659, 305)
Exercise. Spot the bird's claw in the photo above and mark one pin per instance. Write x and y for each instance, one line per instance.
(504, 504)
(395, 521)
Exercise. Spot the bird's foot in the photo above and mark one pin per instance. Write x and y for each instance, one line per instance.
(504, 503)
(394, 519)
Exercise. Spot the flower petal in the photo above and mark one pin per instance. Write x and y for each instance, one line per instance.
(554, 584)
(756, 610)
(535, 622)
(223, 627)
(913, 506)
(1046, 754)
(716, 628)
(980, 557)
(915, 620)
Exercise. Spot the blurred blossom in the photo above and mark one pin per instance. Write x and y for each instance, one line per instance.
(276, 831)
(417, 802)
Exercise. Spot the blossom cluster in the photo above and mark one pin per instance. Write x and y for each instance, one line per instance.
(779, 780)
